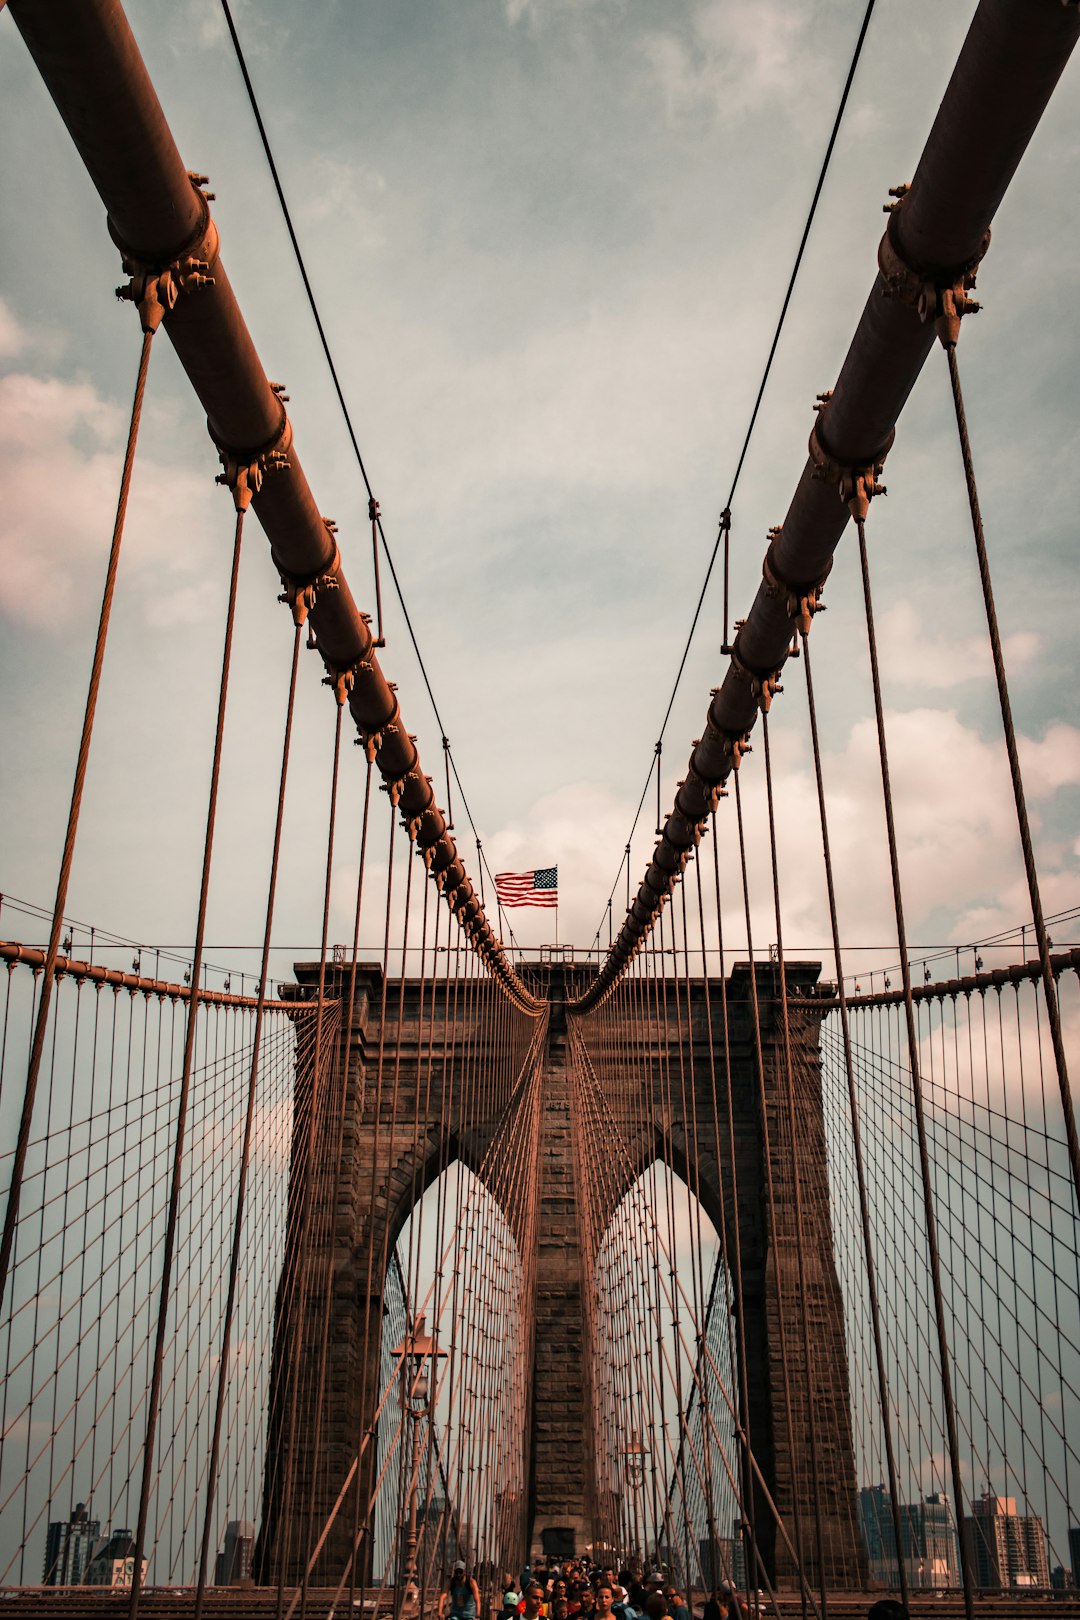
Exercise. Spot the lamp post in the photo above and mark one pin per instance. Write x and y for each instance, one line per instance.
(634, 1460)
(416, 1349)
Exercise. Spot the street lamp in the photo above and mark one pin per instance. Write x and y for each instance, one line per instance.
(416, 1350)
(634, 1460)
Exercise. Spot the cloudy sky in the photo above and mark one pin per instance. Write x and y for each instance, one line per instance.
(550, 242)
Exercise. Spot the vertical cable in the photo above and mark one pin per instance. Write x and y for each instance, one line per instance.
(796, 1174)
(245, 1152)
(1031, 870)
(884, 1401)
(185, 1086)
(305, 1255)
(770, 1198)
(916, 1083)
(11, 1213)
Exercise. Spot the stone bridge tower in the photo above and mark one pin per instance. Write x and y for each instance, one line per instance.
(387, 1161)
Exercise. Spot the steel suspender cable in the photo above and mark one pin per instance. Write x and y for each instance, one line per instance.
(944, 1358)
(1053, 1015)
(856, 1136)
(302, 1266)
(249, 1118)
(724, 530)
(151, 319)
(770, 1192)
(185, 1083)
(943, 218)
(373, 504)
(796, 1174)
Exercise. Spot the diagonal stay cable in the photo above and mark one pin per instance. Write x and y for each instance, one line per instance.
(797, 265)
(354, 441)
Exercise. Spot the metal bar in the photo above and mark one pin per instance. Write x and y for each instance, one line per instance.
(157, 215)
(1011, 60)
(948, 989)
(33, 957)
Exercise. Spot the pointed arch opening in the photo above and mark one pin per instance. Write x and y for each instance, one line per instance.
(454, 1369)
(665, 1372)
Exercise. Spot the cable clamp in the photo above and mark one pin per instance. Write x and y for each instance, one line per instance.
(245, 478)
(370, 742)
(856, 484)
(801, 600)
(244, 470)
(734, 745)
(156, 283)
(696, 827)
(412, 824)
(300, 600)
(940, 296)
(739, 747)
(397, 787)
(763, 688)
(342, 681)
(301, 594)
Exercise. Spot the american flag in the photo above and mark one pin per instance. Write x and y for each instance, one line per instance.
(537, 888)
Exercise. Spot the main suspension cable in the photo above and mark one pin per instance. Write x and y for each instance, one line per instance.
(373, 505)
(724, 529)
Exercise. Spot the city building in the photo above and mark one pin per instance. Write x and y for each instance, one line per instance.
(878, 1533)
(1005, 1548)
(1074, 1552)
(722, 1559)
(233, 1564)
(929, 1541)
(113, 1564)
(69, 1546)
(1061, 1579)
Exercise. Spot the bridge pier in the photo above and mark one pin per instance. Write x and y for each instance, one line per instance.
(562, 1496)
(729, 1168)
(387, 1158)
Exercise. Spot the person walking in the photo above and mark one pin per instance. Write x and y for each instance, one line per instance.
(461, 1598)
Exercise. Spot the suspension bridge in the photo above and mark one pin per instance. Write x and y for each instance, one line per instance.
(682, 1252)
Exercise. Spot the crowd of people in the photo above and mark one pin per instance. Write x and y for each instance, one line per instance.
(581, 1590)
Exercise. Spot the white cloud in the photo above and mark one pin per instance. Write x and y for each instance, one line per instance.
(1052, 763)
(535, 12)
(913, 656)
(11, 335)
(956, 828)
(60, 465)
(188, 604)
(348, 194)
(59, 473)
(737, 58)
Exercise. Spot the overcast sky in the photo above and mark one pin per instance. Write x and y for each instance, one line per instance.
(550, 242)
